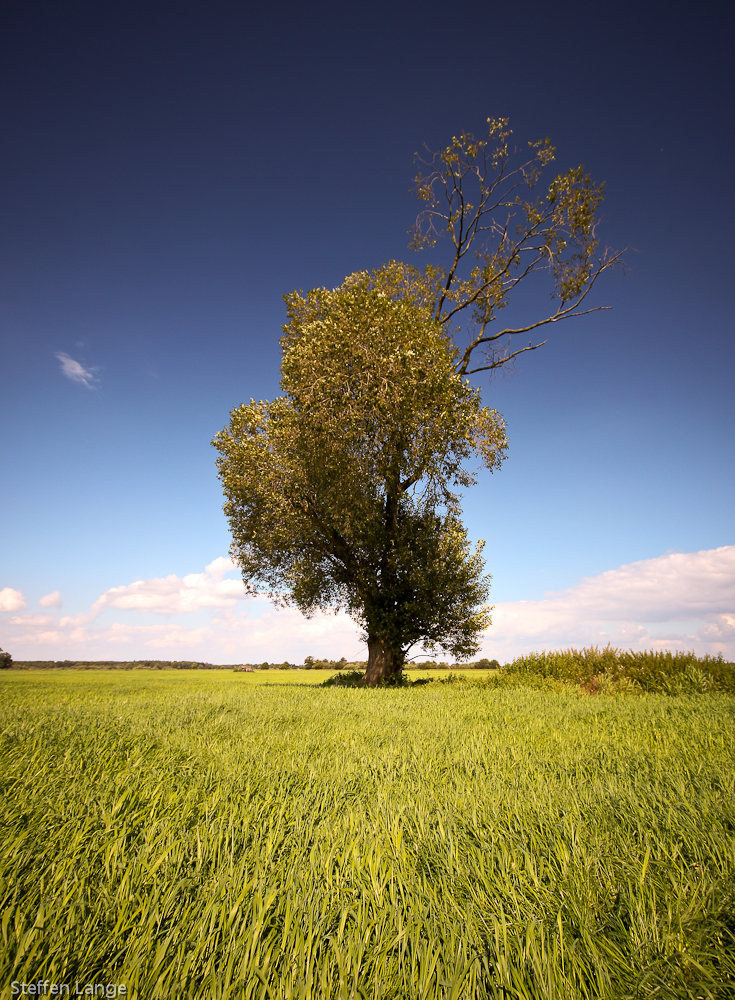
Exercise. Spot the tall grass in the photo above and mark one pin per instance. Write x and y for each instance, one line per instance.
(213, 835)
(612, 669)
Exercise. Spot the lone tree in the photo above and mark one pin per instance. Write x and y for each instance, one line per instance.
(343, 492)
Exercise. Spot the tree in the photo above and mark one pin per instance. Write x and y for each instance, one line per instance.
(344, 491)
(6, 660)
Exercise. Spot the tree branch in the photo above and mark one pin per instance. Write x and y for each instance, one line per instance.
(562, 313)
(506, 358)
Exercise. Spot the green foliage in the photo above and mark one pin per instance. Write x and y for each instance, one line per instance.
(212, 835)
(311, 664)
(343, 492)
(474, 194)
(608, 670)
(483, 664)
(486, 664)
(6, 660)
(348, 678)
(333, 489)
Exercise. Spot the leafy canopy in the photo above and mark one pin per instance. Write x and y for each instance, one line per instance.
(478, 193)
(342, 492)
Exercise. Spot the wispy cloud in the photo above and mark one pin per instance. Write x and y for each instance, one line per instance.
(11, 600)
(52, 600)
(679, 600)
(33, 621)
(75, 371)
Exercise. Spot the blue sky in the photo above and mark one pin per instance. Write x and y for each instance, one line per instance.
(171, 170)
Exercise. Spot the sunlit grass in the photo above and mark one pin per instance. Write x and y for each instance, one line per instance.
(256, 835)
(609, 670)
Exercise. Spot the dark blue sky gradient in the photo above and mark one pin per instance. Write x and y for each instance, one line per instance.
(171, 170)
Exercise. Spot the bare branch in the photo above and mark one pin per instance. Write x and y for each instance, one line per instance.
(561, 313)
(506, 358)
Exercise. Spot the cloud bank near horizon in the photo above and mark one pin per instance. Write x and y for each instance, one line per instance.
(674, 601)
(636, 606)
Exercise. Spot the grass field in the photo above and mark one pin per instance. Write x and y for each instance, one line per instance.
(255, 835)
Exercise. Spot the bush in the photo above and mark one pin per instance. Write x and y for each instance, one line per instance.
(348, 678)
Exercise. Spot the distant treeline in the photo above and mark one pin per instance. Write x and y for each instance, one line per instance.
(597, 671)
(310, 663)
(474, 665)
(117, 665)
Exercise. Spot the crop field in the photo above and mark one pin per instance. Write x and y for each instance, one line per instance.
(221, 835)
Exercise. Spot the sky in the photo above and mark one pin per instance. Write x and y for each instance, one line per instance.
(170, 171)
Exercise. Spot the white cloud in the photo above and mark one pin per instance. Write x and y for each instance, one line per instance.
(278, 635)
(231, 636)
(676, 586)
(11, 600)
(52, 600)
(76, 372)
(32, 621)
(625, 605)
(80, 619)
(173, 595)
(676, 601)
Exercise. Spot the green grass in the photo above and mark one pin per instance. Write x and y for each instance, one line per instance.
(611, 670)
(255, 835)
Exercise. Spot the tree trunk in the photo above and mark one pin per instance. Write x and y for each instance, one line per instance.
(384, 664)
